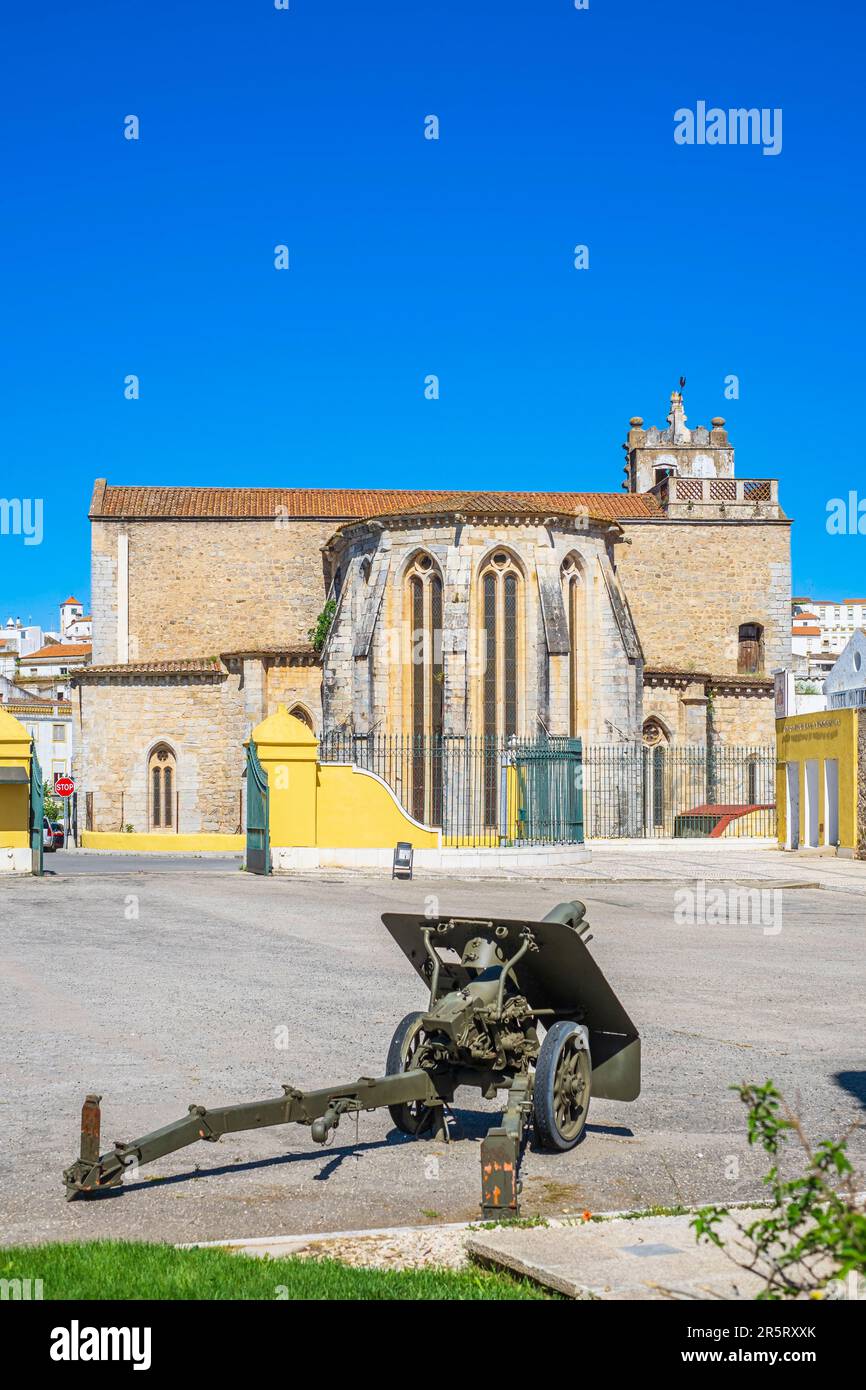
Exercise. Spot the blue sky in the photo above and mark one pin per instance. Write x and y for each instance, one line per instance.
(410, 257)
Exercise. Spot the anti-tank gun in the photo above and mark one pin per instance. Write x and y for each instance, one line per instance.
(514, 1005)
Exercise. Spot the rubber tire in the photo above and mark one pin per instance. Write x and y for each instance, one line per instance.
(394, 1065)
(547, 1132)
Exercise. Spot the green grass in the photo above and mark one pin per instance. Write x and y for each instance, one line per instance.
(119, 1269)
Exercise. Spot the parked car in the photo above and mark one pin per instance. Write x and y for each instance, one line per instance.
(48, 844)
(59, 834)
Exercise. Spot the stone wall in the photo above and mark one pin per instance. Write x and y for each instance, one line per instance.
(204, 723)
(198, 588)
(296, 685)
(691, 584)
(748, 719)
(369, 693)
(103, 590)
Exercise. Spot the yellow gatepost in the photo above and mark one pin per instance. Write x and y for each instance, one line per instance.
(817, 780)
(288, 751)
(327, 805)
(14, 795)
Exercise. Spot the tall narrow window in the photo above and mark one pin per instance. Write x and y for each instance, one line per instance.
(168, 798)
(655, 771)
(752, 781)
(161, 784)
(500, 613)
(491, 713)
(425, 688)
(572, 593)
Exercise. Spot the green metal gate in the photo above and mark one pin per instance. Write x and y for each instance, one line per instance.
(550, 791)
(258, 857)
(37, 811)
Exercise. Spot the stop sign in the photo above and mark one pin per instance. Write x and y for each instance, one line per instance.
(64, 786)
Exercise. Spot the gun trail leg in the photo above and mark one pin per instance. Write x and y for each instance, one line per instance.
(501, 1152)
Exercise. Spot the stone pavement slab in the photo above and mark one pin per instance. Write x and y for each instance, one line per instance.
(655, 1257)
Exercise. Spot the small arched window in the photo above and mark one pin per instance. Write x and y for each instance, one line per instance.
(750, 649)
(162, 788)
(299, 712)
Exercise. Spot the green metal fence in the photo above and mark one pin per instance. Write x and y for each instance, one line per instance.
(483, 791)
(684, 791)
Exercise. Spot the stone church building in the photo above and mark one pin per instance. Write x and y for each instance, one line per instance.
(655, 615)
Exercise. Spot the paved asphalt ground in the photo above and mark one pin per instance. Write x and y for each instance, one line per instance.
(159, 991)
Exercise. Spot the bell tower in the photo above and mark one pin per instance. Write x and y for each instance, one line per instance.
(652, 455)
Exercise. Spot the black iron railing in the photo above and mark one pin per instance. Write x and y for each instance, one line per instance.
(685, 791)
(483, 791)
(487, 791)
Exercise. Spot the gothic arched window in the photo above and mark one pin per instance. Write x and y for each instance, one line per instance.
(656, 791)
(299, 712)
(500, 592)
(162, 788)
(573, 594)
(425, 684)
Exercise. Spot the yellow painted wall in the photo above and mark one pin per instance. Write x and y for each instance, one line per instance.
(164, 844)
(358, 811)
(824, 734)
(14, 796)
(327, 805)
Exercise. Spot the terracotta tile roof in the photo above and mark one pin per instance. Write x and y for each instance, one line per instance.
(67, 601)
(604, 506)
(55, 650)
(305, 652)
(195, 666)
(661, 673)
(346, 504)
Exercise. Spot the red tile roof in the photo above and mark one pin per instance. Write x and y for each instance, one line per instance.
(183, 666)
(67, 601)
(55, 650)
(347, 504)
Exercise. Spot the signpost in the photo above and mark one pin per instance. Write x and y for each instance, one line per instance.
(65, 787)
(402, 865)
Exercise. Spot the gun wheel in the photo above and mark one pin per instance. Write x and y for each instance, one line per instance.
(415, 1117)
(563, 1080)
